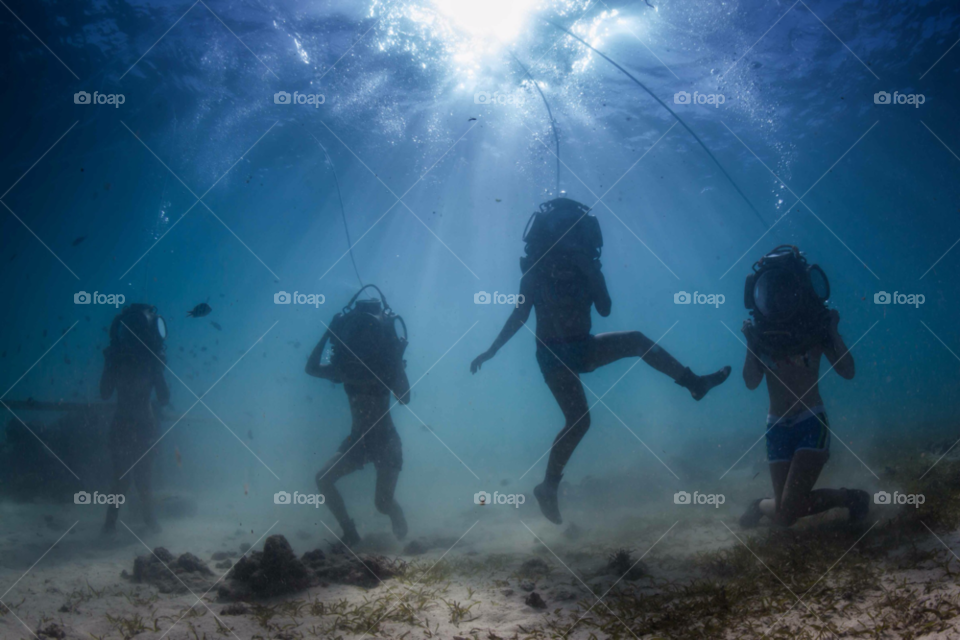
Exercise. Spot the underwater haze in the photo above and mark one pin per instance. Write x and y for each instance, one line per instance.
(246, 167)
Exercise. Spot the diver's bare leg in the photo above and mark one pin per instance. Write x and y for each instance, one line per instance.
(143, 478)
(799, 497)
(121, 459)
(326, 483)
(613, 346)
(778, 474)
(387, 476)
(568, 391)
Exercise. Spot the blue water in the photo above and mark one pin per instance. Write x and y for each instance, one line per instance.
(879, 212)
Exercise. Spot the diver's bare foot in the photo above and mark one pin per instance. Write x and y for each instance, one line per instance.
(546, 495)
(704, 383)
(751, 518)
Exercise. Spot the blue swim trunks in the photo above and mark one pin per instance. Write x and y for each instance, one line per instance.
(806, 430)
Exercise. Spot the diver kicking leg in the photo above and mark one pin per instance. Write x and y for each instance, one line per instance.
(326, 483)
(568, 391)
(610, 347)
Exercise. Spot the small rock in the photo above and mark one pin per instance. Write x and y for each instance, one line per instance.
(534, 600)
(534, 566)
(506, 592)
(528, 585)
(415, 548)
(52, 630)
(235, 609)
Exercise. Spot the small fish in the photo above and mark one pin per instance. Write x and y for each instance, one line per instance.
(176, 453)
(504, 482)
(216, 326)
(200, 310)
(66, 360)
(471, 120)
(250, 434)
(78, 240)
(499, 200)
(246, 489)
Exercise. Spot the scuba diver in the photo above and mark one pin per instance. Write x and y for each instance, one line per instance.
(562, 279)
(133, 366)
(367, 357)
(791, 328)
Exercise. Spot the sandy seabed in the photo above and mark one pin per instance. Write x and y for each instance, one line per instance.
(697, 577)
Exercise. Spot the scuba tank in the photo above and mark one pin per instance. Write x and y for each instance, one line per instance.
(365, 344)
(138, 327)
(787, 298)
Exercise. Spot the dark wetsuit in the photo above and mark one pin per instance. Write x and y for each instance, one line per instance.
(373, 439)
(133, 431)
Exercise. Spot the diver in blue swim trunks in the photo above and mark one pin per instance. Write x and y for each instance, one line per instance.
(791, 329)
(562, 280)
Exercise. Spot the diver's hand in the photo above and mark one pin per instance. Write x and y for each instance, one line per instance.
(748, 332)
(480, 359)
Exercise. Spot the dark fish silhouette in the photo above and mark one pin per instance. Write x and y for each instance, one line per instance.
(471, 119)
(78, 240)
(216, 326)
(200, 310)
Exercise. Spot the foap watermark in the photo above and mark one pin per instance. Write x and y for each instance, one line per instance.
(715, 99)
(714, 499)
(915, 499)
(115, 99)
(315, 99)
(915, 299)
(483, 498)
(482, 297)
(282, 297)
(82, 297)
(683, 297)
(916, 99)
(312, 499)
(112, 499)
(501, 99)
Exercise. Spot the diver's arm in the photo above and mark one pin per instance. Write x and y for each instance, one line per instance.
(752, 366)
(836, 349)
(317, 370)
(108, 381)
(598, 284)
(401, 384)
(518, 317)
(160, 384)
